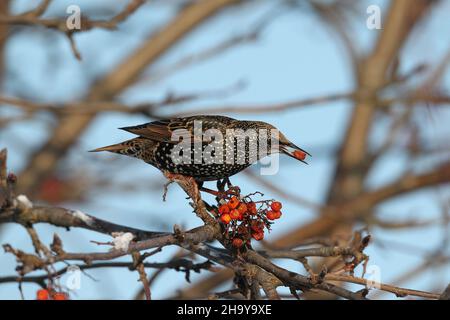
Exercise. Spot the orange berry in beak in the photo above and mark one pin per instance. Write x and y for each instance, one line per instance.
(300, 155)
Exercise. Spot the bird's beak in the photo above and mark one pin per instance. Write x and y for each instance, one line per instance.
(294, 151)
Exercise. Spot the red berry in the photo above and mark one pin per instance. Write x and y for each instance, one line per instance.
(258, 236)
(251, 208)
(257, 226)
(237, 242)
(242, 208)
(233, 203)
(225, 218)
(271, 215)
(60, 296)
(235, 214)
(224, 209)
(299, 155)
(276, 206)
(42, 294)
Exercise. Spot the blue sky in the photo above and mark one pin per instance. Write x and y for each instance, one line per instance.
(296, 57)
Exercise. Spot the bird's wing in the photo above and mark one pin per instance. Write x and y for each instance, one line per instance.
(168, 131)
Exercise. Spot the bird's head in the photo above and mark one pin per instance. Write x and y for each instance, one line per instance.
(285, 146)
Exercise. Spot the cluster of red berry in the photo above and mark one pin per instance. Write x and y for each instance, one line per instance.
(51, 294)
(243, 220)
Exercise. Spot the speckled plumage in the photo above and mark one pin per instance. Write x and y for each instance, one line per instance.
(155, 145)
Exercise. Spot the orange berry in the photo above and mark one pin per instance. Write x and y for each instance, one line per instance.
(234, 202)
(299, 155)
(42, 294)
(242, 208)
(258, 235)
(271, 215)
(225, 218)
(257, 226)
(276, 206)
(251, 208)
(60, 296)
(235, 214)
(237, 242)
(224, 209)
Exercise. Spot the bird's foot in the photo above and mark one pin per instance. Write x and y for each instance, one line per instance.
(221, 184)
(217, 194)
(223, 194)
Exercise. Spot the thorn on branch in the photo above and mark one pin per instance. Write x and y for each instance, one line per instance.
(57, 245)
(73, 46)
(178, 233)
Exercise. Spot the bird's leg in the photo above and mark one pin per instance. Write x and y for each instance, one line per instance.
(231, 190)
(219, 194)
(228, 182)
(221, 185)
(202, 188)
(221, 188)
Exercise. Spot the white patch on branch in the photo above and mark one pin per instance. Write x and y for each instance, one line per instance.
(23, 199)
(83, 217)
(122, 240)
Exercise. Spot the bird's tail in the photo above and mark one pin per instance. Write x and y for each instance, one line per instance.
(130, 148)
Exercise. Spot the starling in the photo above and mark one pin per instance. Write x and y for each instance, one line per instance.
(158, 143)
